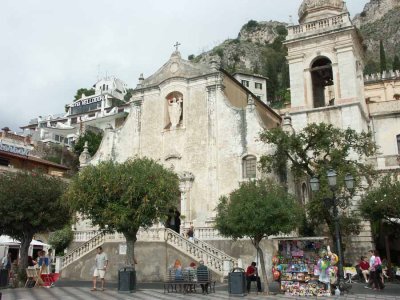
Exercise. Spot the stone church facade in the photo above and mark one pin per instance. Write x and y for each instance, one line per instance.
(200, 122)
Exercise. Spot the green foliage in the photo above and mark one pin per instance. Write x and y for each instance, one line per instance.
(191, 57)
(396, 63)
(59, 154)
(281, 30)
(315, 150)
(275, 67)
(61, 239)
(93, 139)
(382, 57)
(128, 95)
(30, 204)
(124, 196)
(257, 209)
(383, 201)
(87, 92)
(219, 51)
(250, 26)
(371, 67)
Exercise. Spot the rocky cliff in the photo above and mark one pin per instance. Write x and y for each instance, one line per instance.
(258, 47)
(380, 20)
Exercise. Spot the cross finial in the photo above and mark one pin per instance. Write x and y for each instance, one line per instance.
(177, 44)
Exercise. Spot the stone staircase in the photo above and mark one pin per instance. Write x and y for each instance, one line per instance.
(215, 259)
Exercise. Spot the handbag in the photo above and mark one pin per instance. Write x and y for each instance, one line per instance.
(378, 268)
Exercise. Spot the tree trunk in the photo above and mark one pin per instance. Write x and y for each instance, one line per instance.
(130, 259)
(25, 243)
(262, 265)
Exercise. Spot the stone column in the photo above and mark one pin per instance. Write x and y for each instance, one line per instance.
(185, 186)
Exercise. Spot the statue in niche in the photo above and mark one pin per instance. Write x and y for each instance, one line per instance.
(175, 111)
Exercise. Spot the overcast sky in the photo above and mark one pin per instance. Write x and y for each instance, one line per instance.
(50, 48)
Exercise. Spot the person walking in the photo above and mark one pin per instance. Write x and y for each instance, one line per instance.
(377, 267)
(101, 264)
(190, 234)
(371, 269)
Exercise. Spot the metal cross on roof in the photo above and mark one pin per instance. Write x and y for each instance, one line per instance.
(177, 44)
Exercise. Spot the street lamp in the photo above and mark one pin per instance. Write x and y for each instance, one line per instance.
(332, 181)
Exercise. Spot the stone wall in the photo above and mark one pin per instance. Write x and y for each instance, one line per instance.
(153, 260)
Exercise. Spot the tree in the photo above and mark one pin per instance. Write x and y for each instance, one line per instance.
(382, 56)
(383, 201)
(371, 67)
(396, 63)
(381, 206)
(87, 92)
(128, 95)
(61, 239)
(30, 204)
(312, 152)
(93, 139)
(124, 196)
(59, 154)
(256, 210)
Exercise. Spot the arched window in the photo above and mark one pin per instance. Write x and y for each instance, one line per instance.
(249, 166)
(398, 143)
(174, 110)
(322, 82)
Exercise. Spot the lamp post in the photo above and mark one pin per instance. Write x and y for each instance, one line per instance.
(332, 181)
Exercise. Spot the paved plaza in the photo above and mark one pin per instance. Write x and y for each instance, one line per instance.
(81, 291)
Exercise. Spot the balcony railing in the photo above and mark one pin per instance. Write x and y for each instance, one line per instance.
(328, 23)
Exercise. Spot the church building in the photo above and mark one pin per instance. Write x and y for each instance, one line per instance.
(202, 123)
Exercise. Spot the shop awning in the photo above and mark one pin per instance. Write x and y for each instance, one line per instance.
(5, 240)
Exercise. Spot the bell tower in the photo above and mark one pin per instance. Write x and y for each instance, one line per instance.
(325, 57)
(326, 78)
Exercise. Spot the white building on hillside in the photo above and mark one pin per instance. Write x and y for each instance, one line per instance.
(257, 84)
(105, 109)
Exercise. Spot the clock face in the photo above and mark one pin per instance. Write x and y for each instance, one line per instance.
(174, 67)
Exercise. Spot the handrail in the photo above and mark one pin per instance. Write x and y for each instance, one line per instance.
(216, 251)
(83, 249)
(214, 262)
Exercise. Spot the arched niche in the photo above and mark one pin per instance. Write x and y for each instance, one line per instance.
(322, 82)
(174, 110)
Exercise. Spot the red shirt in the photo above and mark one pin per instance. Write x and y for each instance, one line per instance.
(251, 271)
(364, 265)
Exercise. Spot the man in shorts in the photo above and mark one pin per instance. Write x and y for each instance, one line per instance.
(101, 263)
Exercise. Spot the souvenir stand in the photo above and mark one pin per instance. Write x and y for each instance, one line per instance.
(305, 267)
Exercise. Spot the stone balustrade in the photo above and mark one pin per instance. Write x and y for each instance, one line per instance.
(81, 250)
(335, 22)
(384, 107)
(385, 75)
(385, 162)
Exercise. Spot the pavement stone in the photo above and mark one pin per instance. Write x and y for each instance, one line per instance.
(69, 290)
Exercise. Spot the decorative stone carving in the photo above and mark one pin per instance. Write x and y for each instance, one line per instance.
(308, 5)
(173, 156)
(85, 156)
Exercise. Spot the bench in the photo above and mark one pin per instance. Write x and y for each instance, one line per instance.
(186, 281)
